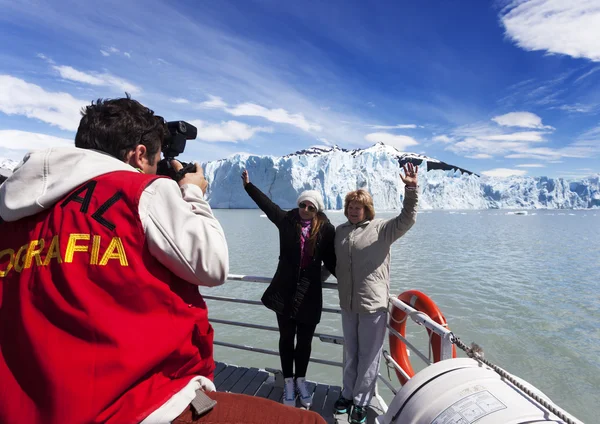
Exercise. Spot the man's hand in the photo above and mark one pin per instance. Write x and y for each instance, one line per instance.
(245, 177)
(411, 172)
(195, 178)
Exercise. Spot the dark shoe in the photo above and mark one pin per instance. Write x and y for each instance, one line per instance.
(342, 406)
(359, 415)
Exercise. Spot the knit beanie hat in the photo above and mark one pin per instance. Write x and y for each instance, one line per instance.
(314, 197)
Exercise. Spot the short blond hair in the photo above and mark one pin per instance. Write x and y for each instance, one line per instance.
(364, 198)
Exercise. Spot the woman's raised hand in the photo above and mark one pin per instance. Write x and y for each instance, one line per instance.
(410, 176)
(245, 177)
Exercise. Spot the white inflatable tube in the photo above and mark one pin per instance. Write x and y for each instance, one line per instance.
(463, 391)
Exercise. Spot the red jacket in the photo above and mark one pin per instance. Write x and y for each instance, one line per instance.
(92, 327)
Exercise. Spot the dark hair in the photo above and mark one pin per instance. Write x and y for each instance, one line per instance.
(117, 126)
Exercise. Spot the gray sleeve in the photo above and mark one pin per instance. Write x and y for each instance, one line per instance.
(394, 228)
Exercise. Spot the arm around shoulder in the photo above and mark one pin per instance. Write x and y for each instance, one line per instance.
(183, 234)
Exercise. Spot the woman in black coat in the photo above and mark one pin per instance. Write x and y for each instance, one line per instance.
(306, 240)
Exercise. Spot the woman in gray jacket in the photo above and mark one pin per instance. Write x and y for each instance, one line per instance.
(362, 248)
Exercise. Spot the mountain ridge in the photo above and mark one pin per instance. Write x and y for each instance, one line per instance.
(335, 171)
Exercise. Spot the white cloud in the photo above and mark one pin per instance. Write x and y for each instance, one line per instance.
(44, 57)
(280, 116)
(504, 172)
(556, 26)
(215, 102)
(105, 79)
(400, 142)
(22, 140)
(227, 131)
(18, 97)
(179, 100)
(520, 119)
(578, 149)
(531, 165)
(532, 136)
(480, 156)
(442, 139)
(587, 74)
(578, 108)
(471, 146)
(484, 139)
(325, 141)
(392, 127)
(370, 104)
(114, 50)
(591, 134)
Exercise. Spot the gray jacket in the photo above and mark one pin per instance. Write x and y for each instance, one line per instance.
(363, 257)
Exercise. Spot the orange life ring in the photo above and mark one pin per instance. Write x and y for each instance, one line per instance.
(423, 303)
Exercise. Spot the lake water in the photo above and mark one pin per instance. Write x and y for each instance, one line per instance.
(525, 288)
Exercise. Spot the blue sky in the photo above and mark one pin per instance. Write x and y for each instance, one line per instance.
(500, 87)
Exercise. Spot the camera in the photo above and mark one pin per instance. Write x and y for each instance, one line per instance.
(173, 145)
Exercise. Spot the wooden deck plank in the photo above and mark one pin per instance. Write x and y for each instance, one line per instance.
(256, 383)
(265, 390)
(311, 386)
(253, 382)
(319, 398)
(220, 366)
(276, 394)
(222, 376)
(232, 379)
(332, 395)
(243, 382)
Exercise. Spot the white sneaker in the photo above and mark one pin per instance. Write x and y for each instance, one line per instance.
(289, 392)
(305, 397)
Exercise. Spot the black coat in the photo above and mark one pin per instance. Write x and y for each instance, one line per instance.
(294, 292)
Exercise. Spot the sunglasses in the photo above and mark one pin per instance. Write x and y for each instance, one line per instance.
(305, 206)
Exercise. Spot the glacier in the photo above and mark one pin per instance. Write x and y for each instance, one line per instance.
(335, 171)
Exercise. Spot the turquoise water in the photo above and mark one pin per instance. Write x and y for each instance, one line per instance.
(525, 288)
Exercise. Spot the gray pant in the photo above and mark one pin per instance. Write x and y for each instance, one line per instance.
(363, 341)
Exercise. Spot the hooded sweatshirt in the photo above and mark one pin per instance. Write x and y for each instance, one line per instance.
(183, 236)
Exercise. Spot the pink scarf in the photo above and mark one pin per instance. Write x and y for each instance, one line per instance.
(304, 236)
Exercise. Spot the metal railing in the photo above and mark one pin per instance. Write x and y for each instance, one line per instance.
(419, 317)
(448, 339)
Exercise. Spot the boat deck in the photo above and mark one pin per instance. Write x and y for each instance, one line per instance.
(256, 382)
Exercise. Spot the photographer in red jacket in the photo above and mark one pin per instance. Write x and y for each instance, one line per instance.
(101, 319)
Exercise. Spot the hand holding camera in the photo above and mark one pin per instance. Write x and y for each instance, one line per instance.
(173, 145)
(191, 173)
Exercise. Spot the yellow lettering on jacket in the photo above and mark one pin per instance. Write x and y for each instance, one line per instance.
(115, 250)
(32, 253)
(53, 252)
(11, 259)
(18, 264)
(73, 247)
(95, 250)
